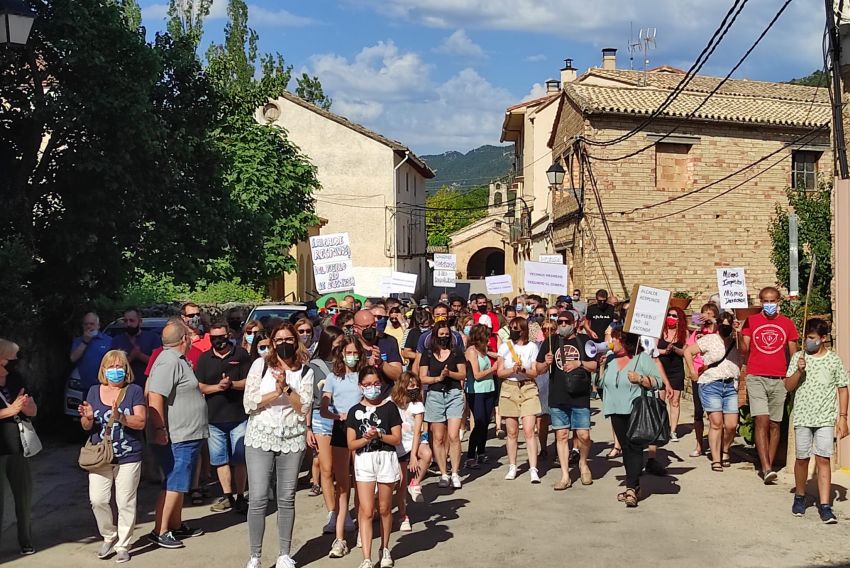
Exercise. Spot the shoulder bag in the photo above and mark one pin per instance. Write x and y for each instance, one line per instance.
(97, 456)
(29, 439)
(649, 422)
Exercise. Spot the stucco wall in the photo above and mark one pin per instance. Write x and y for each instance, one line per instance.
(411, 246)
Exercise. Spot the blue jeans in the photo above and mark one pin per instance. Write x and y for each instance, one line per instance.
(719, 396)
(567, 417)
(227, 443)
(178, 464)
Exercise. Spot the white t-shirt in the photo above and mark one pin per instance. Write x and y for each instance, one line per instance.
(527, 355)
(408, 416)
(713, 349)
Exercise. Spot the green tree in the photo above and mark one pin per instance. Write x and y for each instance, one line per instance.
(310, 89)
(816, 79)
(451, 209)
(132, 14)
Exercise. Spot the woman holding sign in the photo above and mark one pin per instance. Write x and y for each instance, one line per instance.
(519, 397)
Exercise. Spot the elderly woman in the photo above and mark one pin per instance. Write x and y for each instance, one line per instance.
(115, 408)
(16, 405)
(622, 380)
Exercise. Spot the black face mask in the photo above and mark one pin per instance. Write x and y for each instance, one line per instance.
(452, 321)
(220, 343)
(285, 351)
(725, 330)
(369, 334)
(443, 341)
(515, 335)
(132, 331)
(482, 309)
(413, 394)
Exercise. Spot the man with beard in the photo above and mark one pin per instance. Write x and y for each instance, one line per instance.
(137, 343)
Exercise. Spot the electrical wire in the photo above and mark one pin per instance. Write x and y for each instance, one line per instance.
(710, 94)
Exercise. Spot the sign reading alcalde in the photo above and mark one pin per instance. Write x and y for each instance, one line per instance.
(732, 286)
(647, 311)
(332, 264)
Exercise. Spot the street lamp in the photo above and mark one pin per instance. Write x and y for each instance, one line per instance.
(16, 20)
(555, 174)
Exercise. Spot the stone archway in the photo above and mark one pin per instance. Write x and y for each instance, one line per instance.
(488, 261)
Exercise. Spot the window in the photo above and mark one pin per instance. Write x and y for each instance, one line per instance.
(673, 167)
(804, 170)
(497, 198)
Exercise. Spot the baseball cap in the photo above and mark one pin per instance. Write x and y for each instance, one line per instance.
(485, 320)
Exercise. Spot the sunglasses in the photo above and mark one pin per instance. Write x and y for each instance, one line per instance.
(673, 316)
(191, 315)
(305, 332)
(282, 340)
(564, 322)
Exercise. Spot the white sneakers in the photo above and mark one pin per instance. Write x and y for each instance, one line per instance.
(330, 526)
(456, 481)
(254, 562)
(339, 548)
(533, 473)
(405, 525)
(284, 561)
(386, 559)
(511, 472)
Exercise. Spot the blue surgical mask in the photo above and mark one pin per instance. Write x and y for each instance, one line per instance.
(467, 329)
(262, 351)
(115, 376)
(519, 308)
(351, 360)
(770, 309)
(381, 324)
(813, 345)
(372, 392)
(249, 338)
(529, 308)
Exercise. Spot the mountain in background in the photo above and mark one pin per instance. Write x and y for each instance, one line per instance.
(477, 167)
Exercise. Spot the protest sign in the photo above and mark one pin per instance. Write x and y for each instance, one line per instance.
(445, 270)
(545, 278)
(503, 284)
(551, 258)
(732, 285)
(386, 287)
(403, 283)
(647, 311)
(332, 264)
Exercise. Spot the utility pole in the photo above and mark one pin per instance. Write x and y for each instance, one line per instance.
(838, 29)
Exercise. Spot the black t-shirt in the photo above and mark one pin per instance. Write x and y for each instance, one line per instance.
(389, 349)
(674, 365)
(435, 367)
(10, 438)
(571, 388)
(361, 418)
(413, 338)
(600, 316)
(224, 406)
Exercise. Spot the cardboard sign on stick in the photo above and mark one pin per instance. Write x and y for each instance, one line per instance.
(732, 285)
(332, 264)
(647, 311)
(545, 278)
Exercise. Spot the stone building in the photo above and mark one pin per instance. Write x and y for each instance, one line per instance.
(695, 187)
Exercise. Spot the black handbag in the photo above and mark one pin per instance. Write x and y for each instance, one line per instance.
(649, 423)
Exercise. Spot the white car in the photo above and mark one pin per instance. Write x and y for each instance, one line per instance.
(265, 312)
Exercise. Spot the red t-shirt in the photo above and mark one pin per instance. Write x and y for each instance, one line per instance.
(768, 344)
(192, 356)
(203, 343)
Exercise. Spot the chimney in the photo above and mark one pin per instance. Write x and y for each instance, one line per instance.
(609, 59)
(568, 73)
(553, 86)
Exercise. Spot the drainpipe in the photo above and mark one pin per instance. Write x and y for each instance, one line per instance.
(394, 256)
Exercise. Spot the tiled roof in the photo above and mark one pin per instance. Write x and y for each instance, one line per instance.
(759, 102)
(396, 146)
(534, 102)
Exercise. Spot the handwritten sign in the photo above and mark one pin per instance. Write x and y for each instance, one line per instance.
(403, 282)
(551, 258)
(502, 284)
(445, 270)
(332, 265)
(733, 288)
(545, 278)
(647, 311)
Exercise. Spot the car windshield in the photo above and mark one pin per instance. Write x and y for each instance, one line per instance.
(264, 315)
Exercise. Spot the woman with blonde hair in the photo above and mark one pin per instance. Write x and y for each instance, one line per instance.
(249, 334)
(17, 405)
(116, 409)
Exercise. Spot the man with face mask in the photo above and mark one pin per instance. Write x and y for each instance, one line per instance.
(221, 372)
(599, 316)
(479, 305)
(383, 350)
(191, 314)
(139, 344)
(570, 386)
(769, 338)
(441, 312)
(88, 350)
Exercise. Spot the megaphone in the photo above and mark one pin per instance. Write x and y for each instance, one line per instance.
(649, 345)
(593, 350)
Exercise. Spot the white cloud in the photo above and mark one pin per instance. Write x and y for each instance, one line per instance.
(536, 58)
(155, 11)
(460, 44)
(392, 92)
(537, 90)
(261, 16)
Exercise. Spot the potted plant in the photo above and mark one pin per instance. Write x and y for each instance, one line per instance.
(681, 300)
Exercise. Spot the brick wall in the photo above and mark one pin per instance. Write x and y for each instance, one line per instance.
(680, 251)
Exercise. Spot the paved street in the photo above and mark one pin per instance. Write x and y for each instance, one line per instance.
(694, 517)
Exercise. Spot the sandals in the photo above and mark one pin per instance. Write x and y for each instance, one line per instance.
(614, 453)
(717, 466)
(562, 485)
(631, 498)
(621, 497)
(315, 490)
(724, 461)
(695, 454)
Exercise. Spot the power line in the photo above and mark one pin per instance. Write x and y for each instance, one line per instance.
(710, 94)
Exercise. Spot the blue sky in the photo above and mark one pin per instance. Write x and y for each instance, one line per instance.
(438, 74)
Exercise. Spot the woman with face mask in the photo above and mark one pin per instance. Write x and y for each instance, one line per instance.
(395, 325)
(671, 347)
(707, 322)
(116, 408)
(414, 454)
(340, 393)
(480, 392)
(624, 376)
(718, 391)
(421, 323)
(443, 368)
(261, 345)
(278, 396)
(306, 335)
(548, 329)
(249, 334)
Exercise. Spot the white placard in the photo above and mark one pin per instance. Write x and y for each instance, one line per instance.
(503, 284)
(403, 283)
(445, 262)
(386, 287)
(545, 278)
(551, 258)
(445, 278)
(332, 265)
(647, 312)
(732, 284)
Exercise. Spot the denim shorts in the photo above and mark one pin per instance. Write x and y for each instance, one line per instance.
(719, 396)
(321, 426)
(178, 464)
(442, 406)
(227, 443)
(808, 438)
(566, 417)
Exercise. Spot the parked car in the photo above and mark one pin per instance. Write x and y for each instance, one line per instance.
(74, 393)
(266, 312)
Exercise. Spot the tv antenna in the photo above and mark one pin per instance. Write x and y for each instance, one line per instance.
(647, 42)
(634, 46)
